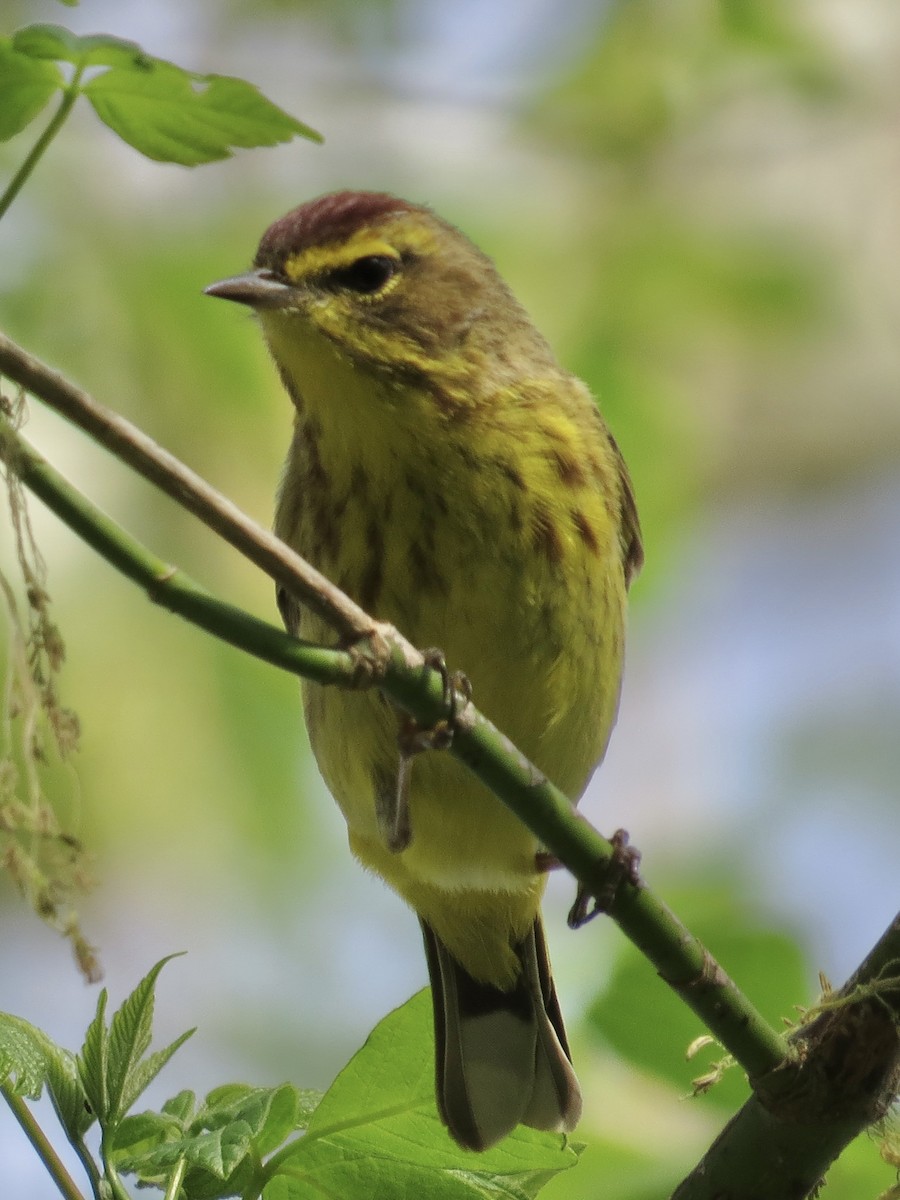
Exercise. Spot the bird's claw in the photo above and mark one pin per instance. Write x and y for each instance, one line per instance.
(414, 739)
(622, 868)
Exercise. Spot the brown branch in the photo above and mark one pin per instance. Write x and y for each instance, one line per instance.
(801, 1116)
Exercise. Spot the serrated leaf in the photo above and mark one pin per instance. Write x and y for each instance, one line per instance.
(29, 1059)
(137, 1136)
(376, 1132)
(25, 87)
(269, 1113)
(68, 1095)
(181, 1107)
(147, 1070)
(93, 1061)
(24, 1051)
(173, 116)
(130, 1032)
(151, 1066)
(218, 1152)
(86, 50)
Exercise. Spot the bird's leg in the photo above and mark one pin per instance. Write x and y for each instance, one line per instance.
(599, 898)
(412, 739)
(544, 862)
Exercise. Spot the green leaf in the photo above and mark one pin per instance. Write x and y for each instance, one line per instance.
(173, 116)
(181, 1107)
(29, 1059)
(140, 1135)
(24, 1051)
(112, 1066)
(68, 1095)
(221, 1144)
(376, 1132)
(89, 50)
(93, 1061)
(218, 1161)
(147, 1070)
(130, 1032)
(25, 87)
(271, 1114)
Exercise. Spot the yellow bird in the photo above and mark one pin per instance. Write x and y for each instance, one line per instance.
(453, 479)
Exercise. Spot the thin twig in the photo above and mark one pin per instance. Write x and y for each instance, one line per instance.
(70, 94)
(45, 1152)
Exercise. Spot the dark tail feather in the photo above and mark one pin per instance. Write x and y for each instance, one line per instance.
(501, 1058)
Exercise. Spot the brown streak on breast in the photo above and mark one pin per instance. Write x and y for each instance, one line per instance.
(585, 531)
(545, 535)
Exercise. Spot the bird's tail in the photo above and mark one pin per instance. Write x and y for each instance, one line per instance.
(501, 1057)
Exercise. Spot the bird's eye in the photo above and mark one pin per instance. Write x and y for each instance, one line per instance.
(367, 275)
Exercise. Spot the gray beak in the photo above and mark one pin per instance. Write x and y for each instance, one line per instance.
(258, 289)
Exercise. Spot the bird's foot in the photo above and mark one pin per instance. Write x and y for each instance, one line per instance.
(414, 739)
(622, 868)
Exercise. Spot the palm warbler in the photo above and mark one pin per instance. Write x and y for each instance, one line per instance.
(453, 479)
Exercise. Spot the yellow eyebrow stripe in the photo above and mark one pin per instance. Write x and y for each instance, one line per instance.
(334, 255)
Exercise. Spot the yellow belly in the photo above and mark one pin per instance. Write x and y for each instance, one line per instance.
(497, 543)
(547, 675)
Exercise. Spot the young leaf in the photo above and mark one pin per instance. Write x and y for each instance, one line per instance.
(129, 1038)
(93, 1061)
(376, 1132)
(147, 1070)
(221, 1145)
(29, 1059)
(271, 1114)
(26, 85)
(173, 116)
(68, 1095)
(24, 1051)
(87, 50)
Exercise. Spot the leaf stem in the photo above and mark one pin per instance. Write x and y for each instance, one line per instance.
(38, 1139)
(69, 96)
(175, 1180)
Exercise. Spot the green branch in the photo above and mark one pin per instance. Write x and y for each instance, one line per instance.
(396, 667)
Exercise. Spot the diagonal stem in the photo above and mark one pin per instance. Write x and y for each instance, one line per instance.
(45, 1152)
(69, 96)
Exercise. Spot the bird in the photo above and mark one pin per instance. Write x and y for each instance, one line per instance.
(456, 481)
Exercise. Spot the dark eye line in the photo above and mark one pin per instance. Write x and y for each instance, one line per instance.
(367, 274)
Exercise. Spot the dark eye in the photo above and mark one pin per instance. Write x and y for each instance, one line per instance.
(366, 275)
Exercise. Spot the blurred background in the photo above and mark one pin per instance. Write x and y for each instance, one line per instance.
(698, 204)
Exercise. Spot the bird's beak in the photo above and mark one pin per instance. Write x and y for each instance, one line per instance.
(258, 289)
